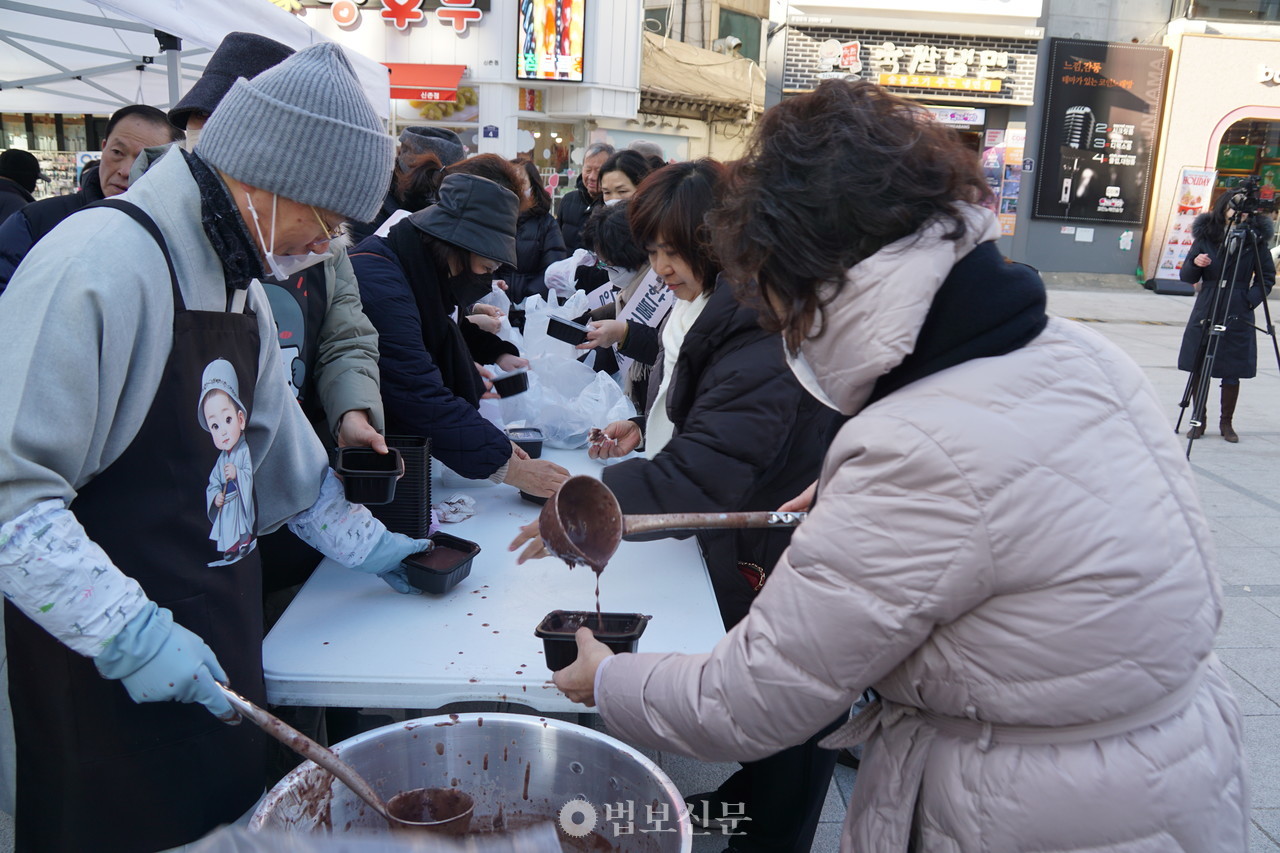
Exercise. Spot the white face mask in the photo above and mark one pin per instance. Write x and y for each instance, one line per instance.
(282, 266)
(806, 377)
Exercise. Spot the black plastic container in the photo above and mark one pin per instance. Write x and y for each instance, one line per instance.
(533, 499)
(511, 384)
(620, 632)
(442, 568)
(410, 512)
(368, 477)
(567, 330)
(528, 439)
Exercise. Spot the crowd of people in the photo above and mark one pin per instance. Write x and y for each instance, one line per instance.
(828, 326)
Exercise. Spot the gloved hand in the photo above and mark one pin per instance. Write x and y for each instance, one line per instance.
(384, 560)
(158, 660)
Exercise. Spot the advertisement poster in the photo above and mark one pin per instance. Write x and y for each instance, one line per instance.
(550, 40)
(1011, 186)
(1102, 116)
(1195, 189)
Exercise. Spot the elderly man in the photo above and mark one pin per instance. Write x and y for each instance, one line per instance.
(129, 131)
(148, 436)
(577, 204)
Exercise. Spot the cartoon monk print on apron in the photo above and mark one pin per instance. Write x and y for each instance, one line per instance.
(229, 494)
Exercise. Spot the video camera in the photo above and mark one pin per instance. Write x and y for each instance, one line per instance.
(1247, 199)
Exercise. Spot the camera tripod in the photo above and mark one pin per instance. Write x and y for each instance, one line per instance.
(1242, 245)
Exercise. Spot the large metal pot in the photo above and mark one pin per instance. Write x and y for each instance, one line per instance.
(523, 768)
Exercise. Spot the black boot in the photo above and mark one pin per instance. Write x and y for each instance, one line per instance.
(1230, 394)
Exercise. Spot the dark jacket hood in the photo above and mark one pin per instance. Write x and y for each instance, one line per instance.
(1263, 226)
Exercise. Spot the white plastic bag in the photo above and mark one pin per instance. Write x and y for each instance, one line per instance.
(565, 400)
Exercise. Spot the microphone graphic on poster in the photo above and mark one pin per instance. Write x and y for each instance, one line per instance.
(1077, 130)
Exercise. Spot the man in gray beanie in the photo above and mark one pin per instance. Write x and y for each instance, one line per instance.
(119, 597)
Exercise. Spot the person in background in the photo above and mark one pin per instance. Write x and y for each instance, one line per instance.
(651, 151)
(622, 173)
(1236, 355)
(729, 428)
(576, 205)
(238, 55)
(538, 240)
(129, 131)
(609, 234)
(19, 171)
(110, 578)
(1037, 620)
(411, 281)
(423, 151)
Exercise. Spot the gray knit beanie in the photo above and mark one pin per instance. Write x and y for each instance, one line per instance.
(305, 131)
(439, 141)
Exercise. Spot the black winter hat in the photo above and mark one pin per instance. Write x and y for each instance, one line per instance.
(475, 214)
(22, 168)
(240, 55)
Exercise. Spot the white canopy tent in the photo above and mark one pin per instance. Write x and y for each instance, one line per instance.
(95, 56)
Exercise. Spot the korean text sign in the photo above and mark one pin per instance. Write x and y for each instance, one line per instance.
(1102, 119)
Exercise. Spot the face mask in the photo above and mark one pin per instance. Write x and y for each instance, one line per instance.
(282, 267)
(611, 202)
(805, 376)
(469, 287)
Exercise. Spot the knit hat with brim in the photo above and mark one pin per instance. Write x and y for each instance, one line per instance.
(239, 55)
(474, 214)
(305, 131)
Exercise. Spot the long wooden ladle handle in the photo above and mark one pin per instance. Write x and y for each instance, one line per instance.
(708, 521)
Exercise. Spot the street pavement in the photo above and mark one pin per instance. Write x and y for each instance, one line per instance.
(1240, 491)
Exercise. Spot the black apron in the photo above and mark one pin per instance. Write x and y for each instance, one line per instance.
(95, 770)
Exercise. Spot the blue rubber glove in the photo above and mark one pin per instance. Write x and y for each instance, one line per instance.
(158, 660)
(384, 560)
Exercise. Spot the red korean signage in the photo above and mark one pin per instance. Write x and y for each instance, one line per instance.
(413, 82)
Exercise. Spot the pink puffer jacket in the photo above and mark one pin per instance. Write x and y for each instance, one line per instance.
(1012, 552)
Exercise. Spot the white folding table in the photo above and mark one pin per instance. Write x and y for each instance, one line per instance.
(349, 640)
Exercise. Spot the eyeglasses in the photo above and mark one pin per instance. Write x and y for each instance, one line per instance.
(331, 231)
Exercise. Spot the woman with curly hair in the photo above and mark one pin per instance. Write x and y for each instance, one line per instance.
(1036, 619)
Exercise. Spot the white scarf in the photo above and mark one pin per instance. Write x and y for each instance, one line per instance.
(658, 427)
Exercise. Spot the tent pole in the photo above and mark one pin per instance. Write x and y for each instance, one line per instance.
(171, 47)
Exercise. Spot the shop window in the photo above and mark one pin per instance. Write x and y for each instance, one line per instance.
(743, 27)
(15, 131)
(548, 145)
(1230, 10)
(1249, 148)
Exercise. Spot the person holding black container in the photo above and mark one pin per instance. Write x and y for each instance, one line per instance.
(430, 265)
(729, 428)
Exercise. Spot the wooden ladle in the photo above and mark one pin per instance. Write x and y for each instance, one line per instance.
(450, 810)
(582, 522)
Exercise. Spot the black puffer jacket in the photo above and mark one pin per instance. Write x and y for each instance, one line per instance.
(538, 245)
(747, 437)
(1236, 356)
(575, 207)
(21, 231)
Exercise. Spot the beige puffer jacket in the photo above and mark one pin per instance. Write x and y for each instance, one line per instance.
(1015, 541)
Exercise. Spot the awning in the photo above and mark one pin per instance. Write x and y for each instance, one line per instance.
(413, 82)
(686, 80)
(95, 56)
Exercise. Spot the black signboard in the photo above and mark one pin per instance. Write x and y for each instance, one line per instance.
(1101, 120)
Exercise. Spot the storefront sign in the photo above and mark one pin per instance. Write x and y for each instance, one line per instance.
(987, 68)
(401, 14)
(549, 40)
(412, 82)
(1193, 197)
(1102, 119)
(959, 116)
